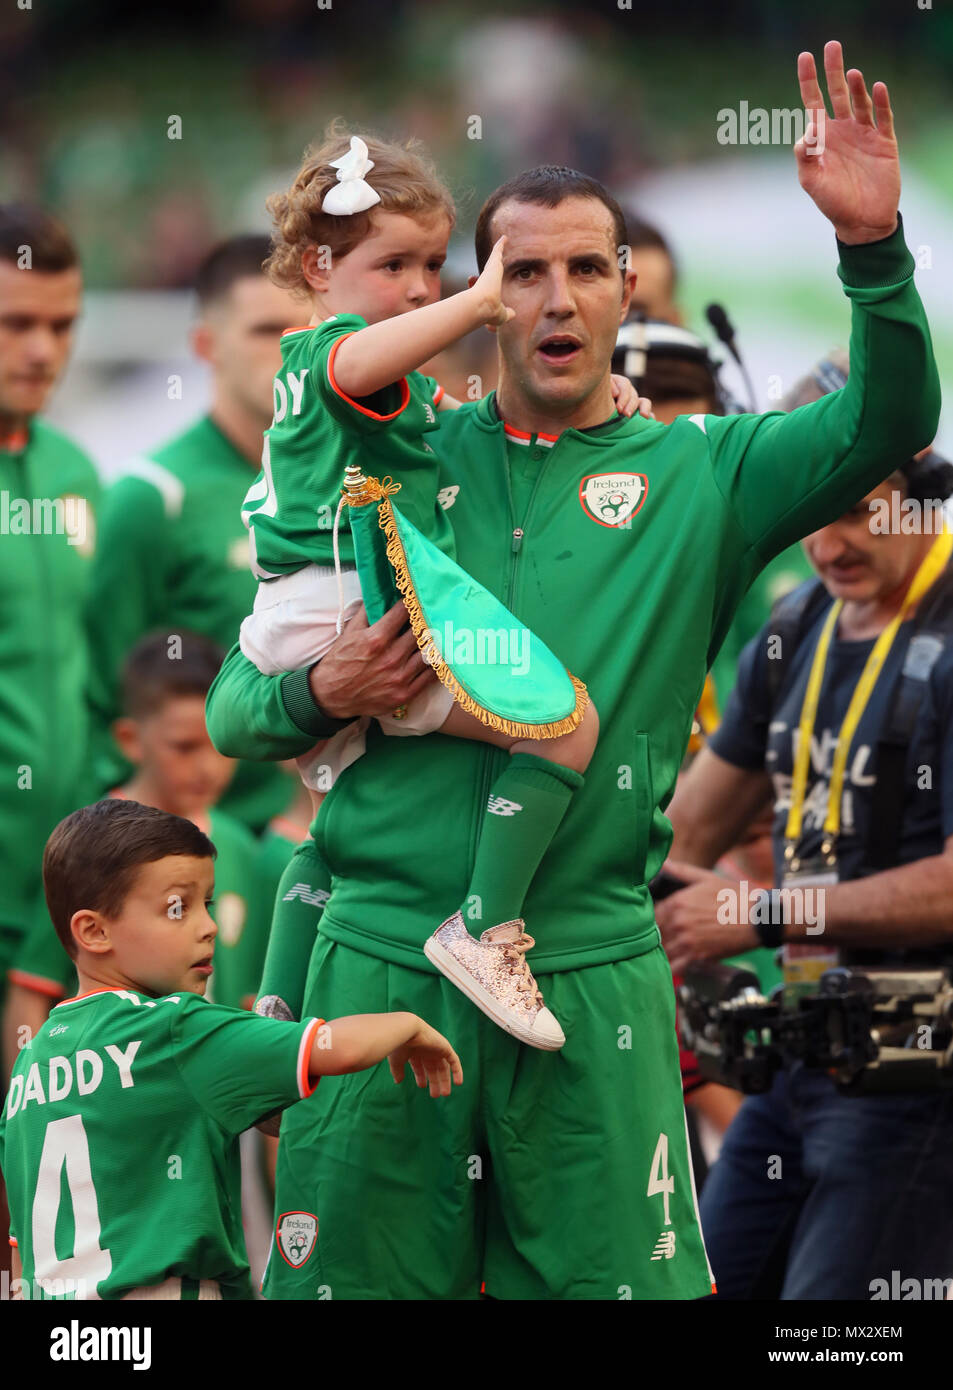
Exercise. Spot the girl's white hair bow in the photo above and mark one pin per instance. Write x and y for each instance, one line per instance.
(351, 194)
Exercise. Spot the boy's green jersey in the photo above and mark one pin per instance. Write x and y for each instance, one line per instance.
(119, 1138)
(241, 908)
(316, 432)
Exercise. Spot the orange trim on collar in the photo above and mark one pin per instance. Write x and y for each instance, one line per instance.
(105, 989)
(522, 437)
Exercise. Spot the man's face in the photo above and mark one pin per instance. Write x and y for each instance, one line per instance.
(561, 277)
(163, 937)
(860, 565)
(395, 269)
(654, 286)
(239, 337)
(37, 312)
(171, 747)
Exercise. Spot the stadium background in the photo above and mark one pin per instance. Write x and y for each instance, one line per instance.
(630, 96)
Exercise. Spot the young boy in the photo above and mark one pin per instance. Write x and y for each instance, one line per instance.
(162, 733)
(119, 1137)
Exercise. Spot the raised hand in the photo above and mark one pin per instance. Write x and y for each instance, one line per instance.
(487, 289)
(848, 162)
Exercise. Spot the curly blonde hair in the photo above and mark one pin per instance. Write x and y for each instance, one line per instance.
(403, 175)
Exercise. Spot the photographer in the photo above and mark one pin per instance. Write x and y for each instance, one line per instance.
(855, 673)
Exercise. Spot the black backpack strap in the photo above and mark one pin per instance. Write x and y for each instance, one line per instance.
(791, 616)
(928, 632)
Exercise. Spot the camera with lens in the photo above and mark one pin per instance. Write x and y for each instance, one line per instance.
(871, 1030)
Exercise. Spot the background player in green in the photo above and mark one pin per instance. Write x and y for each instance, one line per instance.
(49, 492)
(595, 1133)
(173, 551)
(162, 736)
(119, 1138)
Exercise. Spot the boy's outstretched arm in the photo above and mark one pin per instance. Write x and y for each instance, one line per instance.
(362, 1040)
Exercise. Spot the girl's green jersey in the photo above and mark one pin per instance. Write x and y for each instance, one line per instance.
(316, 432)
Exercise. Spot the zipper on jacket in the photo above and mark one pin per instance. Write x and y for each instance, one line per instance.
(516, 543)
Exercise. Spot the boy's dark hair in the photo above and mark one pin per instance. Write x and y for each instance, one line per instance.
(235, 259)
(91, 859)
(548, 186)
(51, 246)
(165, 664)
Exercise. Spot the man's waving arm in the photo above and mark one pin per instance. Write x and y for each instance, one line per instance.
(784, 476)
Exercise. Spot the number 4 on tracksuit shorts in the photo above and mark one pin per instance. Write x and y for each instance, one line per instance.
(545, 1175)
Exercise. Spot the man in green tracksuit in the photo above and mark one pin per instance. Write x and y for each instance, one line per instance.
(49, 492)
(173, 550)
(626, 546)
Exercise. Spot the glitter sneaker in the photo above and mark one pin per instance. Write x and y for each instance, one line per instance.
(495, 974)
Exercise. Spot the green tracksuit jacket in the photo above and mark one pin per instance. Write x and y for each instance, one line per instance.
(49, 491)
(638, 611)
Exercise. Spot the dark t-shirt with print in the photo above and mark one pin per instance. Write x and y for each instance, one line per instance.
(753, 735)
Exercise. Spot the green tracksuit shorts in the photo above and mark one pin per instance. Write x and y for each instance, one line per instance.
(562, 1175)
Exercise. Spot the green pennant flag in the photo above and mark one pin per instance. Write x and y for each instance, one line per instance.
(495, 667)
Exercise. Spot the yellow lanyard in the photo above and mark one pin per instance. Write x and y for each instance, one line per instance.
(931, 567)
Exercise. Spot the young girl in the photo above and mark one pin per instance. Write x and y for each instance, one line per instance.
(363, 232)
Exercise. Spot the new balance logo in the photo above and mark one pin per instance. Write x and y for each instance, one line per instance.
(499, 806)
(448, 495)
(317, 897)
(664, 1246)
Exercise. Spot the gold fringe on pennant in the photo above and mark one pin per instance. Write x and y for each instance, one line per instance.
(510, 727)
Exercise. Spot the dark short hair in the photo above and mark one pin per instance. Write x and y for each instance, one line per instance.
(165, 664)
(644, 236)
(235, 259)
(547, 186)
(51, 246)
(91, 859)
